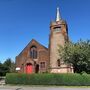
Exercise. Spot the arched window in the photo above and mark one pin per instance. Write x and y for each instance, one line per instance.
(58, 62)
(33, 52)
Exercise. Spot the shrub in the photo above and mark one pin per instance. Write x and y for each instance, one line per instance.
(48, 79)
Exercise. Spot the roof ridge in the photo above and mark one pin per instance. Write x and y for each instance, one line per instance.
(29, 43)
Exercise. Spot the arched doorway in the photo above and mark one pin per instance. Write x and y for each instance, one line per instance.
(37, 68)
(29, 68)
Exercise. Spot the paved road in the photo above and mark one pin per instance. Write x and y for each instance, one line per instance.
(40, 88)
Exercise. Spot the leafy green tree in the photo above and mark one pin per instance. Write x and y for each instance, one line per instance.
(10, 65)
(12, 68)
(7, 67)
(3, 70)
(7, 63)
(77, 54)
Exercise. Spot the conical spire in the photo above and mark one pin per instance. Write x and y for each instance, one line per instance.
(58, 15)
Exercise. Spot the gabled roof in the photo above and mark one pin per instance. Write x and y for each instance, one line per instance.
(30, 43)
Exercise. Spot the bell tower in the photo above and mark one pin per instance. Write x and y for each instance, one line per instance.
(58, 36)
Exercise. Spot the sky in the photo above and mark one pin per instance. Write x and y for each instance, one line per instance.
(24, 20)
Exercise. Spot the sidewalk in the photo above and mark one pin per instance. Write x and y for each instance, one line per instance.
(7, 87)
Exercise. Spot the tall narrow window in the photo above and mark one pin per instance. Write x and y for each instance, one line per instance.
(33, 52)
(58, 62)
(42, 65)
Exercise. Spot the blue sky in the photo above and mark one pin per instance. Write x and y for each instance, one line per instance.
(22, 20)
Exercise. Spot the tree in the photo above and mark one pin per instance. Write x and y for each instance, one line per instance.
(7, 67)
(3, 70)
(12, 68)
(10, 65)
(77, 54)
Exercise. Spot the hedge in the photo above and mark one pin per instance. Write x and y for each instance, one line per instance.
(48, 79)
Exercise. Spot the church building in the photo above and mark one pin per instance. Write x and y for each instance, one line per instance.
(36, 58)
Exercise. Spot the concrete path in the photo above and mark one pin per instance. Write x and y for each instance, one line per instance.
(2, 80)
(41, 88)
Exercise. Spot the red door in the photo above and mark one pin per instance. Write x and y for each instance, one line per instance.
(28, 68)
